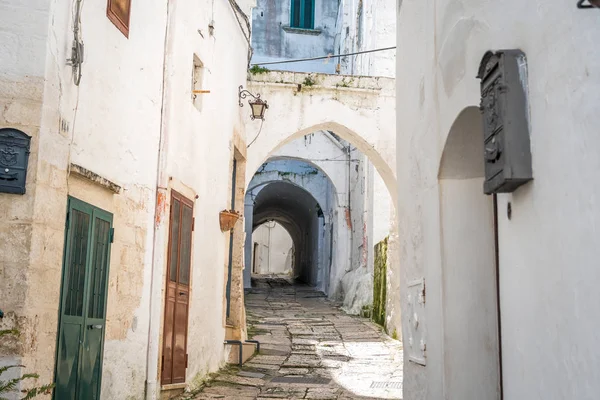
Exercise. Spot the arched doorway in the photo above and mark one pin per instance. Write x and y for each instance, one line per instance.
(472, 368)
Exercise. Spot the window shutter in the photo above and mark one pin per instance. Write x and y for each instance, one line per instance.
(119, 13)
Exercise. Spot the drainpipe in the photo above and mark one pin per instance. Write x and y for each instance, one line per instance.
(351, 226)
(155, 306)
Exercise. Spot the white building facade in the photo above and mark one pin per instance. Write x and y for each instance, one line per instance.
(511, 301)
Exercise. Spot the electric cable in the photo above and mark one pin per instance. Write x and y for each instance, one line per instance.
(324, 57)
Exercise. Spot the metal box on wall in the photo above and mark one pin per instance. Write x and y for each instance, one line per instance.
(505, 112)
(14, 157)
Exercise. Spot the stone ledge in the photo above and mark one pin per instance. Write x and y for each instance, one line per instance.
(95, 178)
(302, 31)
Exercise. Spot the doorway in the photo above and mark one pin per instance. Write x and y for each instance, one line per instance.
(175, 331)
(472, 342)
(82, 319)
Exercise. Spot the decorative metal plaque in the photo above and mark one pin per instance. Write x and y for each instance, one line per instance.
(14, 156)
(417, 347)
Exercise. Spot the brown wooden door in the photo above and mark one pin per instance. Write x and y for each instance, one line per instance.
(174, 360)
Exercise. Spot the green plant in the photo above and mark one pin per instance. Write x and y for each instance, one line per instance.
(9, 386)
(395, 334)
(344, 83)
(257, 69)
(309, 81)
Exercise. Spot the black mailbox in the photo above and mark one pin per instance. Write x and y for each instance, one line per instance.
(505, 112)
(14, 155)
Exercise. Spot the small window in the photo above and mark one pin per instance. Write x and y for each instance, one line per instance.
(197, 82)
(303, 14)
(118, 12)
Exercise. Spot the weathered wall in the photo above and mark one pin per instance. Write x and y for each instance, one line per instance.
(274, 40)
(21, 100)
(111, 124)
(95, 126)
(199, 150)
(548, 250)
(366, 25)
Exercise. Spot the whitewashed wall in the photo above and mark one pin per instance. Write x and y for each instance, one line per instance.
(548, 251)
(273, 40)
(363, 26)
(199, 148)
(272, 250)
(111, 124)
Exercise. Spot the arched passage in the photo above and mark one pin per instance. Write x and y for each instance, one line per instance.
(362, 112)
(384, 163)
(300, 213)
(309, 178)
(469, 286)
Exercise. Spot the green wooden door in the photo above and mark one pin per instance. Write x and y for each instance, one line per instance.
(83, 302)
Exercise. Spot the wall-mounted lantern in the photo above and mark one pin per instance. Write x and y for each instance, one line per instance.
(588, 4)
(14, 156)
(257, 105)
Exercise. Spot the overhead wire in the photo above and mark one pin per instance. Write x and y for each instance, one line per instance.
(237, 10)
(324, 57)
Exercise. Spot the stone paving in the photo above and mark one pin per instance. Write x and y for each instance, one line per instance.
(310, 349)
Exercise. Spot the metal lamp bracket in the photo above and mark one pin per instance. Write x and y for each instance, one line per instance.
(586, 4)
(243, 93)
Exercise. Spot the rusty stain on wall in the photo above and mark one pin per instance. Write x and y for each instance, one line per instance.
(161, 206)
(348, 218)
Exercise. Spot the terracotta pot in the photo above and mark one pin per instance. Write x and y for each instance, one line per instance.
(227, 219)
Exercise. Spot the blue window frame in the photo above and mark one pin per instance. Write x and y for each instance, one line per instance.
(303, 14)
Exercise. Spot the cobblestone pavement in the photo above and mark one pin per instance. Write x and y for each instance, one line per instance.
(310, 349)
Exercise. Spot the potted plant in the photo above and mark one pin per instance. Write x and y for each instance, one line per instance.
(227, 219)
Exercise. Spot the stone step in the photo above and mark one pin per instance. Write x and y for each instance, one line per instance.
(248, 350)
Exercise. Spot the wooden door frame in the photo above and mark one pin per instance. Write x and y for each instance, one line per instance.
(183, 200)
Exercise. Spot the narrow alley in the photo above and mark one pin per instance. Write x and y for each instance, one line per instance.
(310, 349)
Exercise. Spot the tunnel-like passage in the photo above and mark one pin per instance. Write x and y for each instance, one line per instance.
(301, 215)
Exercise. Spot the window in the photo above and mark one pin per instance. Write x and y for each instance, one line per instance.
(303, 14)
(118, 12)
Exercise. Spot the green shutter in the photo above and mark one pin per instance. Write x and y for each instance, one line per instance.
(83, 302)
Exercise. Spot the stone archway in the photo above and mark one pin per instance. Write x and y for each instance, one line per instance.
(359, 110)
(306, 176)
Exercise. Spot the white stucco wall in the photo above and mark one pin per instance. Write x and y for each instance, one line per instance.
(111, 124)
(272, 250)
(548, 250)
(363, 26)
(199, 150)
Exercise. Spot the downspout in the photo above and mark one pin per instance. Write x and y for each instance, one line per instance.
(153, 351)
(350, 225)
